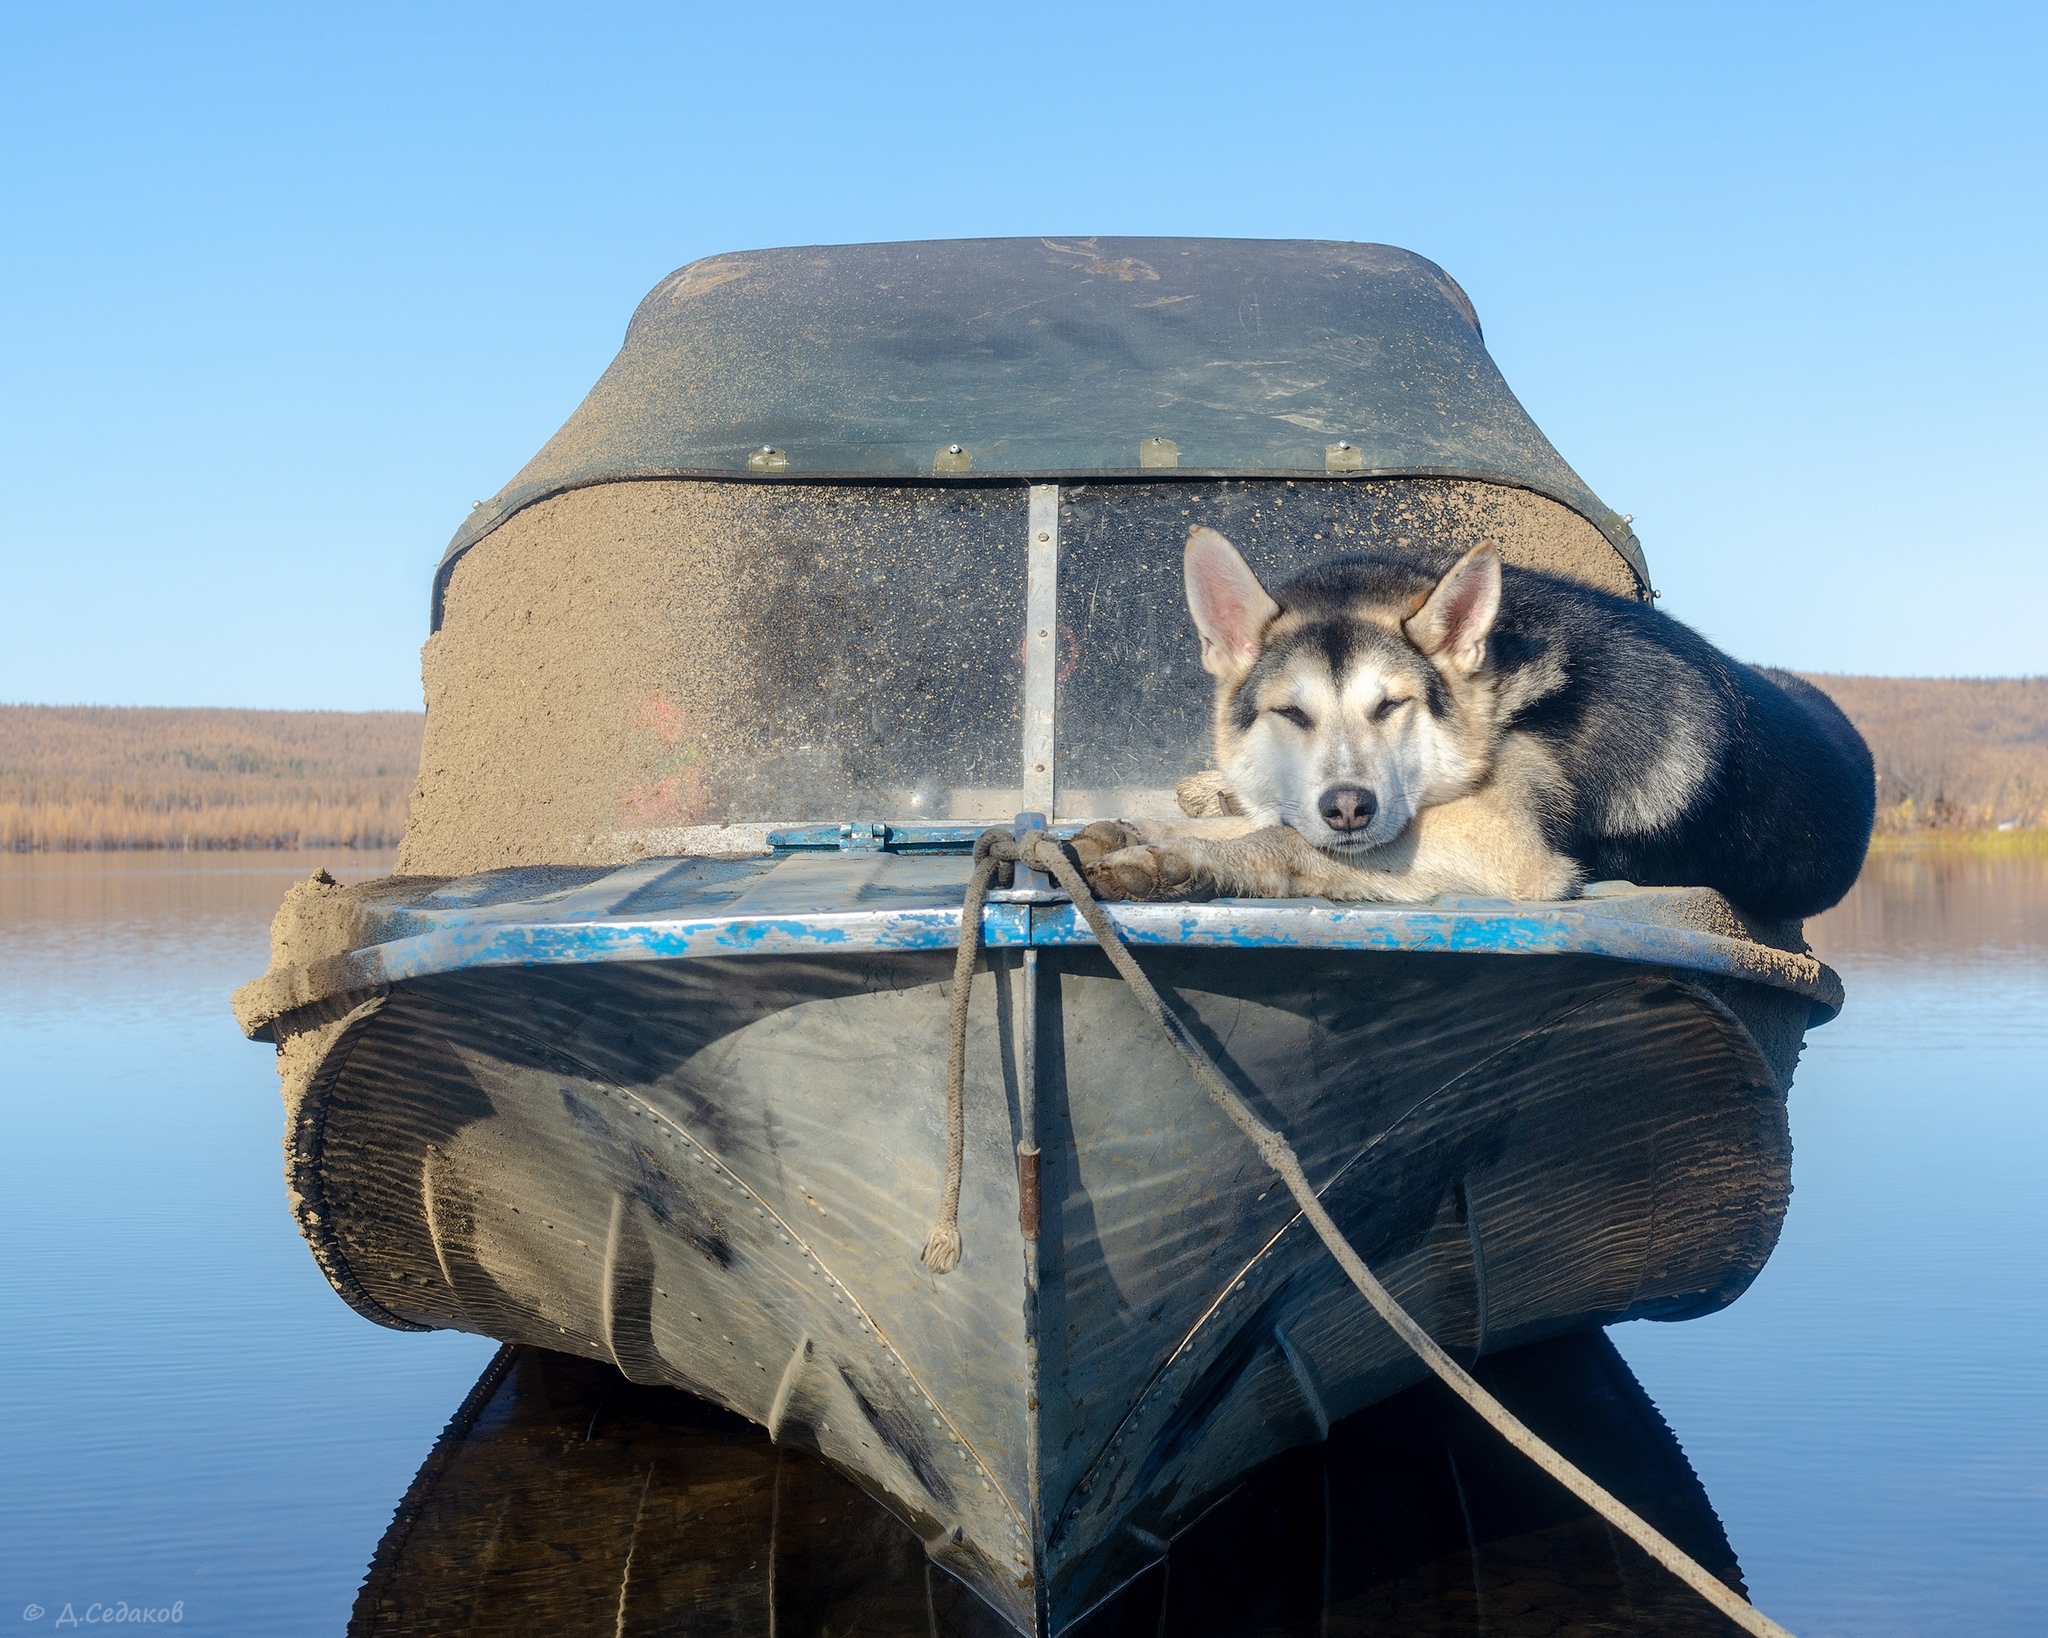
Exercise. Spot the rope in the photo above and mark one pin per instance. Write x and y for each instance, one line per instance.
(942, 1250)
(1041, 852)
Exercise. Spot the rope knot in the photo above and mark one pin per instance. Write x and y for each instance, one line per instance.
(941, 1252)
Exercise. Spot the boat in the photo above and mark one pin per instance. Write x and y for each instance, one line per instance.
(563, 1500)
(853, 554)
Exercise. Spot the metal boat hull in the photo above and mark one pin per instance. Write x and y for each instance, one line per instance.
(717, 1173)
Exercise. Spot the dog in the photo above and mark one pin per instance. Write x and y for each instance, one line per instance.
(1384, 732)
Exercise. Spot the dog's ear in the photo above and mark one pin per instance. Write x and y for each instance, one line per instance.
(1453, 622)
(1230, 607)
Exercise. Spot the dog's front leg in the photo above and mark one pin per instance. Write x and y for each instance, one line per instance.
(1479, 844)
(1273, 862)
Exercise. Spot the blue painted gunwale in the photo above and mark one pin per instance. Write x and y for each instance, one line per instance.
(431, 941)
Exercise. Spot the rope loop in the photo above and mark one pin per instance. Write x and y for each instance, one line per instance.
(995, 854)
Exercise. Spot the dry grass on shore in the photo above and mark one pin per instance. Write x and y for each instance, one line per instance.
(92, 778)
(2017, 843)
(1957, 759)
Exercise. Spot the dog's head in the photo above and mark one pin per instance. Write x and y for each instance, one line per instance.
(1357, 698)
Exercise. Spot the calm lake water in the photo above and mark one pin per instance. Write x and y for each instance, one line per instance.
(193, 1419)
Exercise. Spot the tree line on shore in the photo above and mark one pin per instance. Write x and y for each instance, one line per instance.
(75, 778)
(1954, 756)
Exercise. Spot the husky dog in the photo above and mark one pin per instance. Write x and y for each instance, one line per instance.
(1386, 733)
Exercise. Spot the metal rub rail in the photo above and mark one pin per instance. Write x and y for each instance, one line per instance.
(808, 899)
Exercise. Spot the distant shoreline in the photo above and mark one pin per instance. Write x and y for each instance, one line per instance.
(1955, 756)
(99, 779)
(1956, 759)
(66, 847)
(1991, 843)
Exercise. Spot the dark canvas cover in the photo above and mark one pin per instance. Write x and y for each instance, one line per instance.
(970, 360)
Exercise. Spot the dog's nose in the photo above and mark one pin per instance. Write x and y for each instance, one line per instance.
(1347, 807)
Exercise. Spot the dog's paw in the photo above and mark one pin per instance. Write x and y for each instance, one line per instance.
(1106, 836)
(1158, 870)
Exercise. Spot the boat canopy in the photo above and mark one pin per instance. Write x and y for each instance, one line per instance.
(965, 360)
(893, 533)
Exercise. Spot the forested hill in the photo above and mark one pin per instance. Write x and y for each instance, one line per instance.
(1952, 753)
(141, 777)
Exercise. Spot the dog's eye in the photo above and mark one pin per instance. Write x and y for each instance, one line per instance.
(1386, 708)
(1295, 715)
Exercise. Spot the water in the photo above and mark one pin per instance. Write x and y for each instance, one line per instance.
(190, 1413)
(193, 1419)
(1871, 1418)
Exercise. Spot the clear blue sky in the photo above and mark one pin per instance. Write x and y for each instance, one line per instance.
(285, 288)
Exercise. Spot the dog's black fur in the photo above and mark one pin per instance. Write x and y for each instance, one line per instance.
(1627, 701)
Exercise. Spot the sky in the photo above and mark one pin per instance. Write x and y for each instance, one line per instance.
(284, 289)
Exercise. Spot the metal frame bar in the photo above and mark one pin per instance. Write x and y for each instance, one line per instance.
(1041, 651)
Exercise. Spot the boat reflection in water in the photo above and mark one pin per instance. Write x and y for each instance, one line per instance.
(565, 1500)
